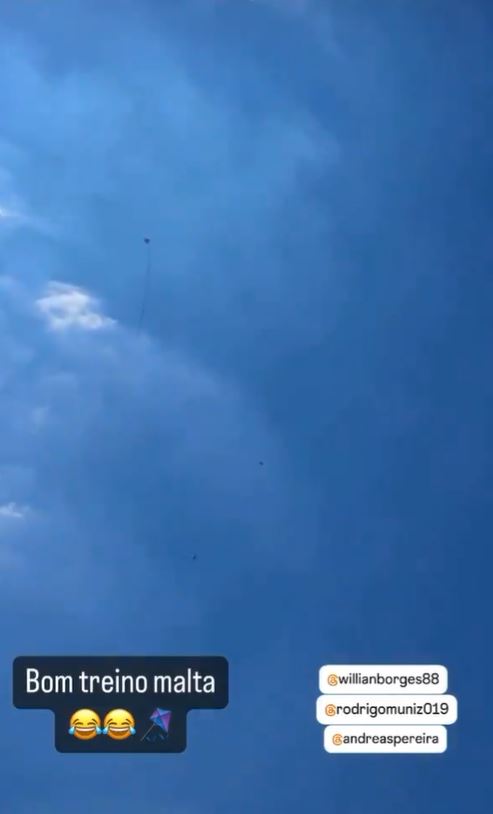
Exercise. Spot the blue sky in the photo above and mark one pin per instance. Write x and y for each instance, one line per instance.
(315, 181)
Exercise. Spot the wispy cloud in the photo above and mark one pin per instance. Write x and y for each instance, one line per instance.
(18, 210)
(7, 214)
(15, 215)
(66, 306)
(13, 510)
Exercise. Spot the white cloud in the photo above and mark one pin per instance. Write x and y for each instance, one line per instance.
(14, 211)
(13, 510)
(6, 213)
(11, 215)
(66, 306)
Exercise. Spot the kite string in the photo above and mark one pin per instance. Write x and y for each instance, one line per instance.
(146, 734)
(147, 279)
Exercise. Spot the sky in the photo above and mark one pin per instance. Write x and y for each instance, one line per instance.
(315, 181)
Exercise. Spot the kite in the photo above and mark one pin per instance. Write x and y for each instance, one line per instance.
(161, 718)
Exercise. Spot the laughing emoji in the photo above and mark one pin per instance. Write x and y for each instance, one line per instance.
(119, 724)
(85, 724)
